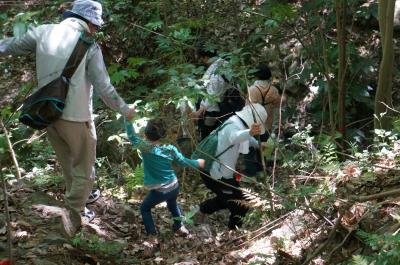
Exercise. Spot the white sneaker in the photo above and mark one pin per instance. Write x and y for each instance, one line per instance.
(88, 215)
(93, 196)
(182, 231)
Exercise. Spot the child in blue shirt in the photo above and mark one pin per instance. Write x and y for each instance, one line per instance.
(159, 176)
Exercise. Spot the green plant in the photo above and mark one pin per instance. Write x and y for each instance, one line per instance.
(134, 180)
(44, 179)
(94, 244)
(386, 249)
(301, 152)
(188, 216)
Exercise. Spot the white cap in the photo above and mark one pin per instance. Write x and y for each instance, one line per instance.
(251, 111)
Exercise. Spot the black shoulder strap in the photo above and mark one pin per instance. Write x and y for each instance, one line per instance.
(76, 57)
(226, 149)
(225, 79)
(264, 95)
(223, 152)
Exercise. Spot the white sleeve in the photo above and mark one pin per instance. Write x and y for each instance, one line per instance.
(215, 88)
(22, 46)
(98, 76)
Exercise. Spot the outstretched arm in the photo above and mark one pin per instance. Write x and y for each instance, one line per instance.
(98, 76)
(182, 161)
(133, 137)
(22, 46)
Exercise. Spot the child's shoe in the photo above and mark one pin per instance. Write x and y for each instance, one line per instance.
(151, 245)
(182, 231)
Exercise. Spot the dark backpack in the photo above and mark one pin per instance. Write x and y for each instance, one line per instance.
(207, 148)
(231, 101)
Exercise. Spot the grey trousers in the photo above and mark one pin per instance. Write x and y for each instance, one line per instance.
(75, 147)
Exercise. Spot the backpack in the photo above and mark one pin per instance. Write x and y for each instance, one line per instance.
(207, 148)
(231, 101)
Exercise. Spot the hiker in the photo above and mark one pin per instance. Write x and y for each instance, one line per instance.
(73, 136)
(264, 93)
(208, 111)
(235, 137)
(159, 176)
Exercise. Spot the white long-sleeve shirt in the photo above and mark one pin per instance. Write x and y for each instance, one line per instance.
(53, 45)
(215, 86)
(236, 134)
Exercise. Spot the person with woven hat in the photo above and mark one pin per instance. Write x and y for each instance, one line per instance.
(234, 138)
(73, 136)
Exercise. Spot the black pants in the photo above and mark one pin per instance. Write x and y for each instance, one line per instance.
(252, 160)
(226, 198)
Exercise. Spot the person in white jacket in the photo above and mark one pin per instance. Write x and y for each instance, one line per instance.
(73, 137)
(236, 137)
(208, 112)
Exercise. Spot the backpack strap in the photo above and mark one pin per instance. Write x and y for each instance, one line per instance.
(225, 79)
(229, 147)
(223, 152)
(264, 95)
(76, 56)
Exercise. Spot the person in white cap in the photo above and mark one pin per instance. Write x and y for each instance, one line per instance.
(236, 137)
(73, 136)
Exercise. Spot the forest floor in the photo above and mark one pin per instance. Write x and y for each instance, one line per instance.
(116, 235)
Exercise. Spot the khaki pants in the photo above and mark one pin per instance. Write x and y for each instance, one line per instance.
(75, 147)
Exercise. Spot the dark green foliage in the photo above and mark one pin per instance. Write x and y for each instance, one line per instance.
(386, 249)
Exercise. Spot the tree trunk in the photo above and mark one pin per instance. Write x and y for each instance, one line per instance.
(340, 6)
(384, 92)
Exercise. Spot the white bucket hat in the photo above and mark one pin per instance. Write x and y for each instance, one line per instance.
(88, 9)
(252, 110)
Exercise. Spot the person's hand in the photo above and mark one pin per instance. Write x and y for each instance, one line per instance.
(195, 114)
(255, 129)
(202, 163)
(131, 113)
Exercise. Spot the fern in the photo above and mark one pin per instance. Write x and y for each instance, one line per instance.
(134, 179)
(386, 247)
(359, 260)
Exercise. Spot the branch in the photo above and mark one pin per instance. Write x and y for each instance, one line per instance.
(387, 106)
(10, 148)
(346, 237)
(325, 244)
(7, 213)
(376, 196)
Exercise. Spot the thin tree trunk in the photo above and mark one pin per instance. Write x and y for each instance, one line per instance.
(7, 213)
(11, 149)
(329, 82)
(340, 6)
(384, 92)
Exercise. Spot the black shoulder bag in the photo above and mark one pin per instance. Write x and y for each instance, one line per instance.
(46, 105)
